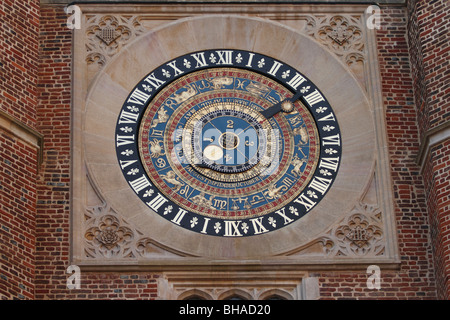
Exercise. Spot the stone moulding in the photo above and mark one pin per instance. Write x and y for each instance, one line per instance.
(25, 133)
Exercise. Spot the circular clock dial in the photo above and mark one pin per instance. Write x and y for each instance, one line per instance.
(228, 143)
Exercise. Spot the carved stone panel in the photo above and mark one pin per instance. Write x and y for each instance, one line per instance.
(120, 47)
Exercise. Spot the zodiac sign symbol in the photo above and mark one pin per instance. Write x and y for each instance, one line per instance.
(156, 149)
(273, 192)
(303, 134)
(201, 200)
(172, 178)
(185, 95)
(297, 163)
(257, 88)
(221, 81)
(162, 117)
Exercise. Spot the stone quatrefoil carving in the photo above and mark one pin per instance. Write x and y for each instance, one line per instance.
(107, 235)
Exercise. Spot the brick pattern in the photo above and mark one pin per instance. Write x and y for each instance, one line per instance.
(438, 202)
(114, 286)
(53, 204)
(19, 23)
(415, 279)
(17, 217)
(53, 215)
(429, 38)
(418, 71)
(433, 29)
(430, 51)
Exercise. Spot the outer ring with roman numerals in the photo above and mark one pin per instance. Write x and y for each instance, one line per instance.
(130, 154)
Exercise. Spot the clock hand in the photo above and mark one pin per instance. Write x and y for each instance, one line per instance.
(287, 105)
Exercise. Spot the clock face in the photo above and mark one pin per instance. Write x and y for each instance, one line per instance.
(228, 143)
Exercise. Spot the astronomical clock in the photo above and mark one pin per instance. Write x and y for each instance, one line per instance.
(228, 143)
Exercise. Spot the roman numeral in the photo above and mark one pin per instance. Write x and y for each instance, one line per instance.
(126, 163)
(297, 80)
(334, 140)
(258, 226)
(124, 140)
(138, 97)
(320, 184)
(205, 225)
(329, 163)
(282, 213)
(179, 216)
(200, 58)
(314, 97)
(140, 184)
(232, 228)
(128, 117)
(225, 57)
(305, 201)
(153, 81)
(157, 202)
(329, 117)
(250, 60)
(275, 67)
(175, 68)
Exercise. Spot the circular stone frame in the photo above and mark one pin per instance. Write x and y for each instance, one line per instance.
(114, 83)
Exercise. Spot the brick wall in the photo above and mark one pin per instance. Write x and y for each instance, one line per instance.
(19, 22)
(53, 215)
(402, 89)
(18, 165)
(415, 279)
(53, 204)
(430, 51)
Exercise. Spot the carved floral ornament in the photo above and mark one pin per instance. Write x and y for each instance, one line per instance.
(359, 234)
(106, 35)
(109, 236)
(341, 34)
